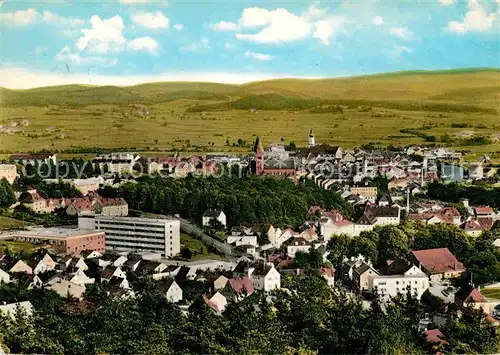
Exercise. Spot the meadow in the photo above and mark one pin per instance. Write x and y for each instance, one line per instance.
(398, 109)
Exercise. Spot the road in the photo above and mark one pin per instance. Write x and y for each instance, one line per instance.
(193, 229)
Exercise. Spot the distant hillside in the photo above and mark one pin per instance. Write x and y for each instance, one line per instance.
(470, 87)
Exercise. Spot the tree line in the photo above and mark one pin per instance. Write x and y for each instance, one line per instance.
(478, 195)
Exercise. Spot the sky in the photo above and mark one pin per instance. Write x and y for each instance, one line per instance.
(127, 42)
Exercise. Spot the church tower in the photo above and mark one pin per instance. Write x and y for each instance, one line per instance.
(311, 141)
(259, 156)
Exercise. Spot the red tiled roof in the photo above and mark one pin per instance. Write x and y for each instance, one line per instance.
(476, 297)
(29, 156)
(477, 224)
(211, 304)
(119, 201)
(328, 271)
(240, 284)
(485, 209)
(438, 260)
(435, 336)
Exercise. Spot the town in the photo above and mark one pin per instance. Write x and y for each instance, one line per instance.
(372, 227)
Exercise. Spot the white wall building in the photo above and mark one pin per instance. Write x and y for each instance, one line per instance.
(265, 277)
(213, 214)
(133, 233)
(413, 280)
(8, 172)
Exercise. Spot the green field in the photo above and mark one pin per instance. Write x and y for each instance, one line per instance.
(16, 247)
(9, 223)
(196, 247)
(491, 293)
(199, 117)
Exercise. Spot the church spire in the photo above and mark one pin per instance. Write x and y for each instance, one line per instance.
(258, 145)
(310, 140)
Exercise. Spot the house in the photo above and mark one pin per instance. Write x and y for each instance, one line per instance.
(117, 282)
(66, 288)
(376, 215)
(297, 244)
(436, 338)
(367, 192)
(111, 206)
(438, 263)
(112, 271)
(11, 309)
(218, 300)
(4, 277)
(49, 262)
(363, 275)
(277, 236)
(8, 172)
(120, 261)
(21, 266)
(34, 159)
(242, 240)
(80, 278)
(449, 215)
(212, 304)
(151, 267)
(328, 274)
(91, 254)
(171, 290)
(38, 267)
(264, 276)
(472, 296)
(237, 288)
(484, 211)
(78, 264)
(402, 277)
(476, 171)
(220, 282)
(474, 227)
(131, 264)
(213, 214)
(335, 223)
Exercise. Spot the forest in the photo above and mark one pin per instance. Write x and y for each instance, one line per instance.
(313, 319)
(478, 195)
(250, 200)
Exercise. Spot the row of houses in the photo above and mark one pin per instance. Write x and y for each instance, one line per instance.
(90, 204)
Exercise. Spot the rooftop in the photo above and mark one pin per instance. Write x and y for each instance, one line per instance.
(56, 232)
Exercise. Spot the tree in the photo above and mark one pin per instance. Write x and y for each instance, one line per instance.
(338, 248)
(186, 253)
(7, 197)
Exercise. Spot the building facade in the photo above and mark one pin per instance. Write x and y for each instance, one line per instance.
(71, 241)
(134, 233)
(8, 172)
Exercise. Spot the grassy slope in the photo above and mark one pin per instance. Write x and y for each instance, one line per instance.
(104, 116)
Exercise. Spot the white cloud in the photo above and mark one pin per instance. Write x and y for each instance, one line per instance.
(201, 45)
(20, 17)
(398, 51)
(66, 55)
(325, 29)
(282, 26)
(475, 20)
(229, 46)
(447, 2)
(179, 26)
(378, 21)
(133, 2)
(20, 78)
(55, 19)
(323, 32)
(146, 44)
(103, 36)
(259, 56)
(151, 20)
(224, 26)
(402, 33)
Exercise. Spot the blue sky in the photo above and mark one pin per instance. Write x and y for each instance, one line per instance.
(132, 41)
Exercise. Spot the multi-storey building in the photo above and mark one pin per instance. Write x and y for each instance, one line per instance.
(8, 172)
(133, 233)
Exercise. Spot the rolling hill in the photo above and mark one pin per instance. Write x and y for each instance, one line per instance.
(212, 116)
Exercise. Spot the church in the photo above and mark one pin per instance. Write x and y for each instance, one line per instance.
(267, 163)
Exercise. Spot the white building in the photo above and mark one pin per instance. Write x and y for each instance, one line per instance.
(8, 172)
(277, 236)
(213, 214)
(242, 240)
(297, 244)
(133, 233)
(264, 277)
(413, 280)
(116, 162)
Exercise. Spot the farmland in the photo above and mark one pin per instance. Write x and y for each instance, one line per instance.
(400, 108)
